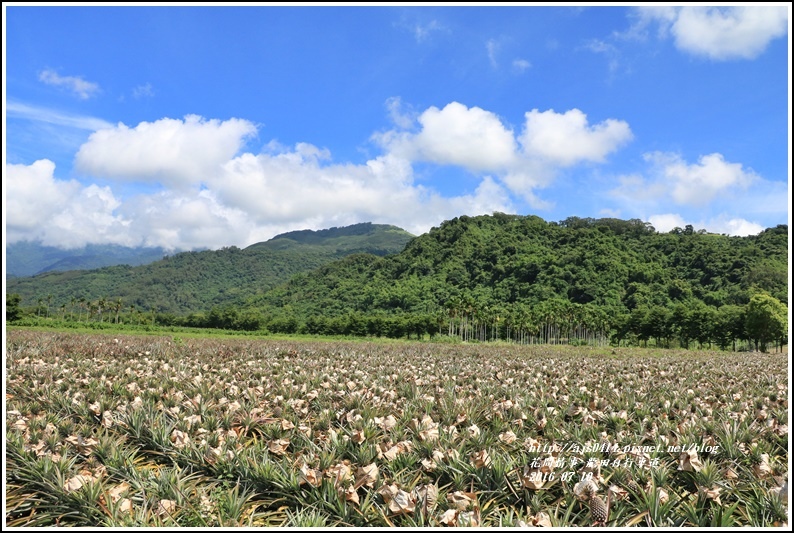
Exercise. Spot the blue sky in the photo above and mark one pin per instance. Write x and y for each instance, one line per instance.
(210, 126)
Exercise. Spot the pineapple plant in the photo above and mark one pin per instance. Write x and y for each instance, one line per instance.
(587, 491)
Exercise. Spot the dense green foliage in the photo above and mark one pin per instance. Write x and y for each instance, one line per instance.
(191, 282)
(376, 239)
(506, 276)
(505, 259)
(767, 320)
(13, 311)
(27, 258)
(500, 277)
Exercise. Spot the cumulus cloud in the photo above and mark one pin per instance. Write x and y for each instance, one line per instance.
(211, 195)
(252, 198)
(711, 194)
(31, 190)
(81, 88)
(733, 226)
(169, 151)
(526, 176)
(294, 186)
(666, 222)
(697, 184)
(718, 33)
(456, 135)
(738, 226)
(672, 179)
(59, 213)
(481, 142)
(186, 220)
(566, 139)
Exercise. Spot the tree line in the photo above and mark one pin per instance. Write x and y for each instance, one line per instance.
(491, 278)
(759, 325)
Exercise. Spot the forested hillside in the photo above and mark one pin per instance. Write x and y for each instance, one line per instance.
(192, 282)
(513, 276)
(473, 278)
(505, 259)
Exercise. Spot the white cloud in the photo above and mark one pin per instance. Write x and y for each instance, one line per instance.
(526, 176)
(143, 91)
(456, 135)
(89, 217)
(211, 195)
(667, 222)
(566, 139)
(733, 226)
(51, 116)
(520, 65)
(423, 31)
(479, 141)
(59, 213)
(644, 17)
(699, 183)
(712, 194)
(81, 88)
(291, 187)
(600, 47)
(252, 198)
(719, 33)
(609, 213)
(169, 151)
(401, 118)
(608, 50)
(638, 194)
(493, 48)
(31, 191)
(487, 198)
(186, 220)
(737, 226)
(764, 199)
(673, 180)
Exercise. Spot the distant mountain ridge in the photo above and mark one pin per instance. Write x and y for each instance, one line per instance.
(26, 258)
(366, 237)
(188, 282)
(316, 236)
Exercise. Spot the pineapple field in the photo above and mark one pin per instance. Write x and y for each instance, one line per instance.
(126, 431)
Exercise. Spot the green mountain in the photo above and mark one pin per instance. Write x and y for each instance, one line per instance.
(475, 278)
(377, 239)
(26, 258)
(509, 262)
(191, 282)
